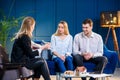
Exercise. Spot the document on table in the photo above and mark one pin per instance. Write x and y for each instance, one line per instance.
(99, 75)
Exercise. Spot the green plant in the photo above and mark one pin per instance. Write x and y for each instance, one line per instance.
(6, 24)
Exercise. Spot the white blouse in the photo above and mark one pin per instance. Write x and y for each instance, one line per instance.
(62, 47)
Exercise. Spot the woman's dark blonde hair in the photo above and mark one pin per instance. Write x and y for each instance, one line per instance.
(26, 27)
(66, 31)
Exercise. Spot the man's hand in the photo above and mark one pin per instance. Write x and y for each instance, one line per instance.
(88, 55)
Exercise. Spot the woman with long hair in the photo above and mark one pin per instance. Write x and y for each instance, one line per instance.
(61, 46)
(22, 50)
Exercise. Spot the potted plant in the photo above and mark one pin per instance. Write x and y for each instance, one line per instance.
(6, 24)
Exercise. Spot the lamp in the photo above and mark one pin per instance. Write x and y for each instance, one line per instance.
(111, 20)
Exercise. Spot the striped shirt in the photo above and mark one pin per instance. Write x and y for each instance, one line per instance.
(92, 44)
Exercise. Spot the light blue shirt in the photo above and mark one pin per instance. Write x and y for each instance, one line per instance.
(92, 44)
(61, 46)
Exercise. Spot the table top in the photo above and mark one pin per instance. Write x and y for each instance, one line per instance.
(86, 75)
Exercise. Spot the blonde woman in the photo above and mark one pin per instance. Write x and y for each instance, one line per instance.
(22, 51)
(61, 46)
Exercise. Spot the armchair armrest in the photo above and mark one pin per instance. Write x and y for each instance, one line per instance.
(7, 67)
(39, 42)
(10, 66)
(110, 54)
(112, 57)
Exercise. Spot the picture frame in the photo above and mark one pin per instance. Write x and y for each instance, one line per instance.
(109, 18)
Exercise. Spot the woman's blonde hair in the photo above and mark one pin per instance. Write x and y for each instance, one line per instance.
(66, 31)
(26, 27)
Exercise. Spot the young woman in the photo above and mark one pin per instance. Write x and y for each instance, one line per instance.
(61, 46)
(22, 51)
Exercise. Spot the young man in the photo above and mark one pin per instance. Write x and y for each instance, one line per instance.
(88, 47)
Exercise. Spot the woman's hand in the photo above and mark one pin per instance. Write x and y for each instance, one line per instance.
(63, 58)
(46, 46)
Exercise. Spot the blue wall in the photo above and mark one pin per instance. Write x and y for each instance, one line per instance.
(48, 13)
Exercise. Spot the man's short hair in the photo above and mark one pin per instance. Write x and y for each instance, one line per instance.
(88, 21)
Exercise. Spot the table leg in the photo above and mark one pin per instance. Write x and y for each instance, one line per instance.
(103, 78)
(87, 78)
(115, 39)
(107, 35)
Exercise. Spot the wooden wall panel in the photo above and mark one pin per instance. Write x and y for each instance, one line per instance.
(65, 10)
(45, 19)
(107, 5)
(84, 9)
(48, 13)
